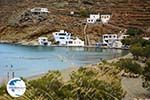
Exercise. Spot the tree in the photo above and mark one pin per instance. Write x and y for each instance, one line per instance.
(146, 51)
(146, 75)
(126, 41)
(136, 50)
(134, 31)
(84, 12)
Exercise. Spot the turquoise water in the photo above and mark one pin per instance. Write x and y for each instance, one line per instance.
(33, 60)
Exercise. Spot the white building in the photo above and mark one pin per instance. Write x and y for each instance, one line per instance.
(95, 16)
(64, 38)
(39, 10)
(44, 41)
(122, 37)
(105, 18)
(91, 21)
(113, 40)
(117, 44)
(108, 39)
(72, 13)
(75, 42)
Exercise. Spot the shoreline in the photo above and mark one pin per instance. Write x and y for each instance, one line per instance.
(36, 45)
(67, 71)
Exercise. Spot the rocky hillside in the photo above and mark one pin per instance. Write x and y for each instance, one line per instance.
(18, 25)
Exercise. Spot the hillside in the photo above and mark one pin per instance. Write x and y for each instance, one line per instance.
(125, 13)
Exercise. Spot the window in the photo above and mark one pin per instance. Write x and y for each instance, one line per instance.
(70, 42)
(105, 36)
(110, 36)
(62, 33)
(61, 38)
(44, 39)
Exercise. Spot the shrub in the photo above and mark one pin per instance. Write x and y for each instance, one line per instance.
(126, 41)
(146, 75)
(84, 12)
(129, 66)
(136, 50)
(85, 84)
(2, 90)
(146, 51)
(134, 31)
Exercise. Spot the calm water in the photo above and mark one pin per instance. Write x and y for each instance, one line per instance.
(28, 60)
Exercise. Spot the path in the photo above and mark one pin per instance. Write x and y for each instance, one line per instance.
(134, 89)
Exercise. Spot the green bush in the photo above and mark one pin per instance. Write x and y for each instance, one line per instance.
(146, 75)
(2, 90)
(84, 12)
(86, 84)
(135, 40)
(129, 66)
(136, 50)
(146, 51)
(134, 31)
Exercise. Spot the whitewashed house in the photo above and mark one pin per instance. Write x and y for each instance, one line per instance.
(64, 39)
(75, 42)
(105, 18)
(72, 13)
(44, 41)
(113, 40)
(123, 36)
(117, 44)
(108, 39)
(39, 10)
(91, 21)
(93, 18)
